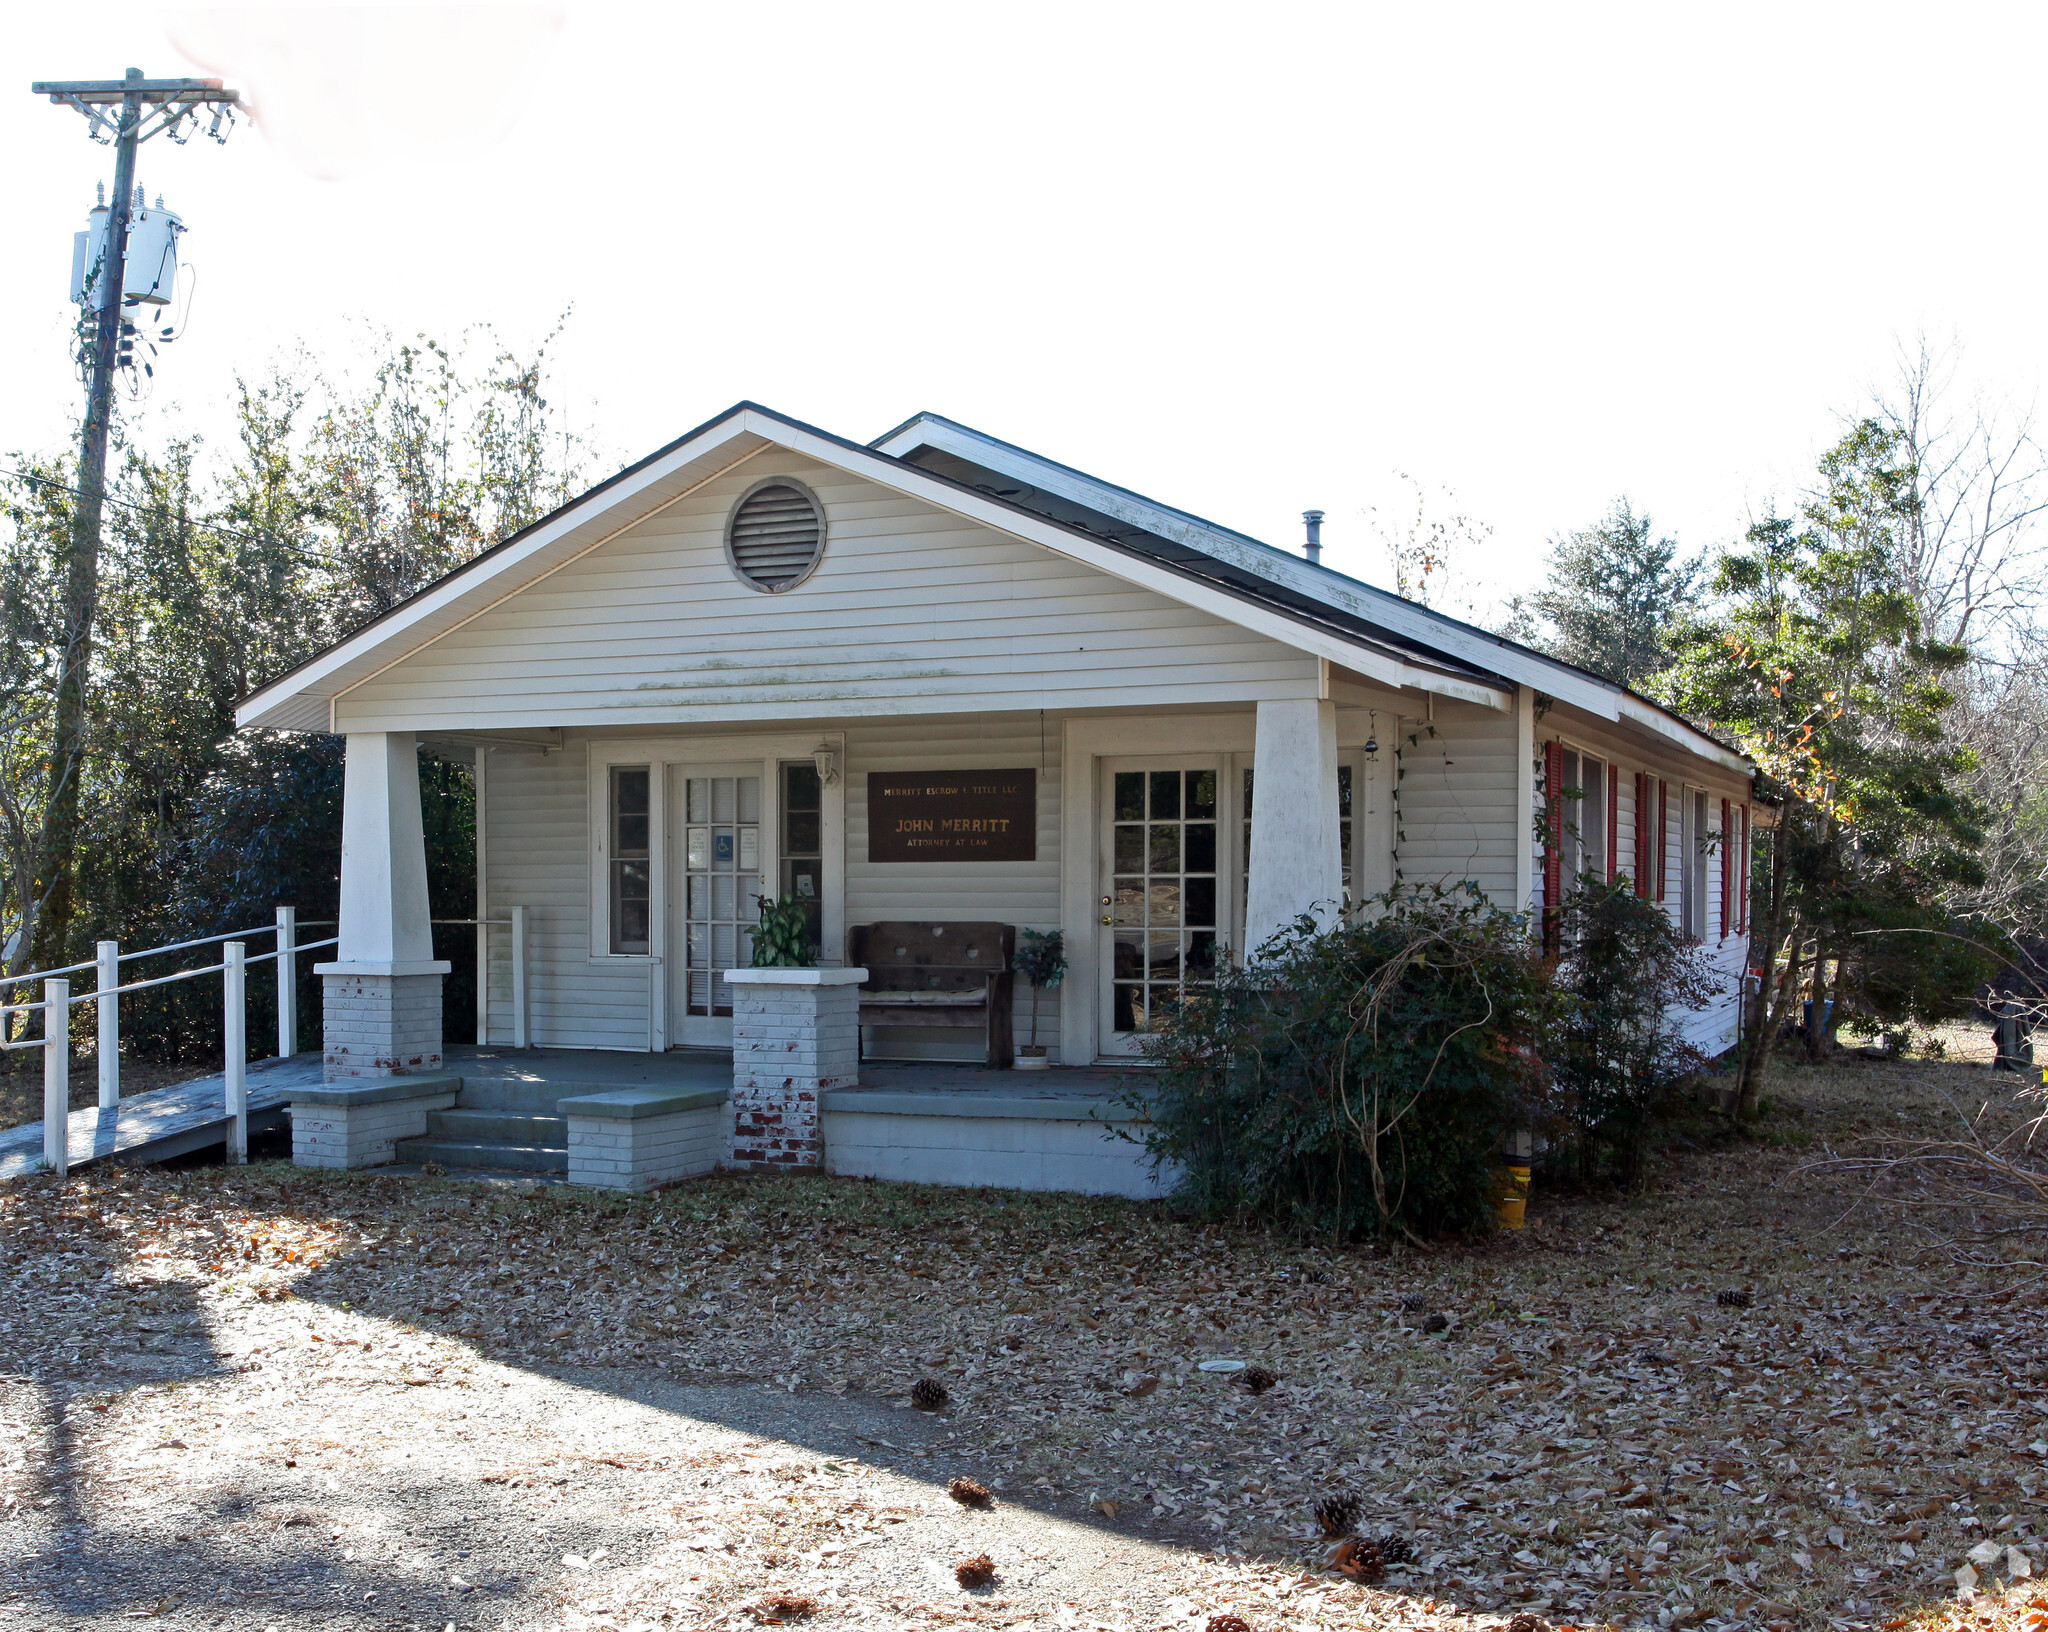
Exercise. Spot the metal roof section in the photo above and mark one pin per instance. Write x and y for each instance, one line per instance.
(1133, 521)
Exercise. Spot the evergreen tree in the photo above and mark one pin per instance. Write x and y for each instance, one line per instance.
(1813, 659)
(1613, 590)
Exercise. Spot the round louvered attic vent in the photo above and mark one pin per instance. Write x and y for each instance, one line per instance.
(776, 534)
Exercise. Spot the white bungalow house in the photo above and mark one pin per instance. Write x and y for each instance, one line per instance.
(932, 680)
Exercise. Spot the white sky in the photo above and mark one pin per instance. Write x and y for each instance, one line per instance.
(1246, 259)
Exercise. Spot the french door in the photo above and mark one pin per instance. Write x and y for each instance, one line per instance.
(1164, 851)
(721, 859)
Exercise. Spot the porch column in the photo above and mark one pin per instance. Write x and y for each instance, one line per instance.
(383, 991)
(1297, 863)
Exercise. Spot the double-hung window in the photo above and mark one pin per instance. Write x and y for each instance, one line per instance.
(631, 866)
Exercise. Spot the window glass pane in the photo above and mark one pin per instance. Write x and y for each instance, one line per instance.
(1343, 790)
(803, 832)
(1198, 900)
(1130, 796)
(1165, 847)
(1199, 844)
(699, 800)
(1163, 902)
(1130, 848)
(1165, 795)
(1201, 792)
(630, 816)
(801, 789)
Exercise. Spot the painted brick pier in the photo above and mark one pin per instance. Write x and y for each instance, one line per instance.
(795, 1036)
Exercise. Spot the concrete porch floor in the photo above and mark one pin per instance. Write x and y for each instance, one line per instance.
(581, 1069)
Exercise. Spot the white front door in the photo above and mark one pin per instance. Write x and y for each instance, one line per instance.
(721, 836)
(1163, 832)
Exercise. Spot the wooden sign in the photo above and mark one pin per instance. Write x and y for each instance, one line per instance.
(953, 815)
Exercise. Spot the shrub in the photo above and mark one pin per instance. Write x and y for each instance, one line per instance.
(1616, 1051)
(1357, 1080)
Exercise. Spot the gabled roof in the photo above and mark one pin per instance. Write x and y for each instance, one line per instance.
(1261, 571)
(1311, 608)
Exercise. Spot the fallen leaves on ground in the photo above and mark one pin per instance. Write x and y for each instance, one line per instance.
(1591, 1434)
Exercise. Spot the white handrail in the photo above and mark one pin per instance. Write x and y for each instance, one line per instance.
(233, 969)
(57, 1077)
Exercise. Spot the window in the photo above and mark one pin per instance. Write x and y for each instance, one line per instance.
(1694, 840)
(629, 859)
(1584, 789)
(803, 840)
(775, 535)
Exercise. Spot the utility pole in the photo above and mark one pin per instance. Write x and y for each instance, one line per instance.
(126, 113)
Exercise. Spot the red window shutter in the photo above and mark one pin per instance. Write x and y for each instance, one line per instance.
(1643, 834)
(1658, 859)
(1613, 820)
(1742, 877)
(1727, 864)
(1553, 841)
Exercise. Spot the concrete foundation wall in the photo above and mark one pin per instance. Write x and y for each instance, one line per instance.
(1012, 1153)
(345, 1135)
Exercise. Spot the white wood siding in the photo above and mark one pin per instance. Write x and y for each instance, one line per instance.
(1457, 800)
(912, 610)
(537, 854)
(1713, 1028)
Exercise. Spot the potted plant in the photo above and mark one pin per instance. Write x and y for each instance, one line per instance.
(782, 934)
(1042, 960)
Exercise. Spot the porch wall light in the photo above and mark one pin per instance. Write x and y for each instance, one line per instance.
(827, 762)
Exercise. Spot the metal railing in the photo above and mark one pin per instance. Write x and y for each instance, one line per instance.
(58, 1001)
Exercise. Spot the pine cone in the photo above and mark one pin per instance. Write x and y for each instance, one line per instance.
(1414, 1303)
(1437, 1323)
(1735, 1298)
(1361, 1561)
(1338, 1512)
(1229, 1623)
(928, 1394)
(1258, 1380)
(977, 1571)
(1526, 1622)
(969, 1492)
(1396, 1549)
(1319, 1277)
(433, 1170)
(778, 1607)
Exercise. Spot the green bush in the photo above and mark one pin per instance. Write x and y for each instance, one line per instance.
(1615, 1048)
(1357, 1081)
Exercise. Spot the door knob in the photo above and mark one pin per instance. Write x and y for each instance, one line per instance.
(1105, 918)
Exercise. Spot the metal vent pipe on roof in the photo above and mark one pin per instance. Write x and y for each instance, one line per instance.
(1313, 549)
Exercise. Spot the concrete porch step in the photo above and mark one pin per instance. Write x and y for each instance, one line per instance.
(485, 1153)
(468, 1126)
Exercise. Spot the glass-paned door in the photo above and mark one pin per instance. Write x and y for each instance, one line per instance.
(1160, 906)
(723, 865)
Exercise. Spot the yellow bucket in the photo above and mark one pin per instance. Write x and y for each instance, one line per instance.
(1513, 1208)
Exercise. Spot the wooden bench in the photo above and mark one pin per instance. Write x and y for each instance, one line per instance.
(955, 975)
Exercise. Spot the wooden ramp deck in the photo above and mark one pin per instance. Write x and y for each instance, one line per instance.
(164, 1122)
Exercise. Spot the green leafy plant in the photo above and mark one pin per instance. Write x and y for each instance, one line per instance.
(782, 934)
(1041, 958)
(1617, 1055)
(1357, 1081)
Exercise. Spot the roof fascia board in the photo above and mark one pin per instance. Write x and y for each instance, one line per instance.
(1398, 616)
(1007, 518)
(518, 551)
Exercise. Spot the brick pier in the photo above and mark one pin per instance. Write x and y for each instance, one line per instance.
(795, 1035)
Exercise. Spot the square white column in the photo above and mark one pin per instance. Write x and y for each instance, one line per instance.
(382, 992)
(1297, 861)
